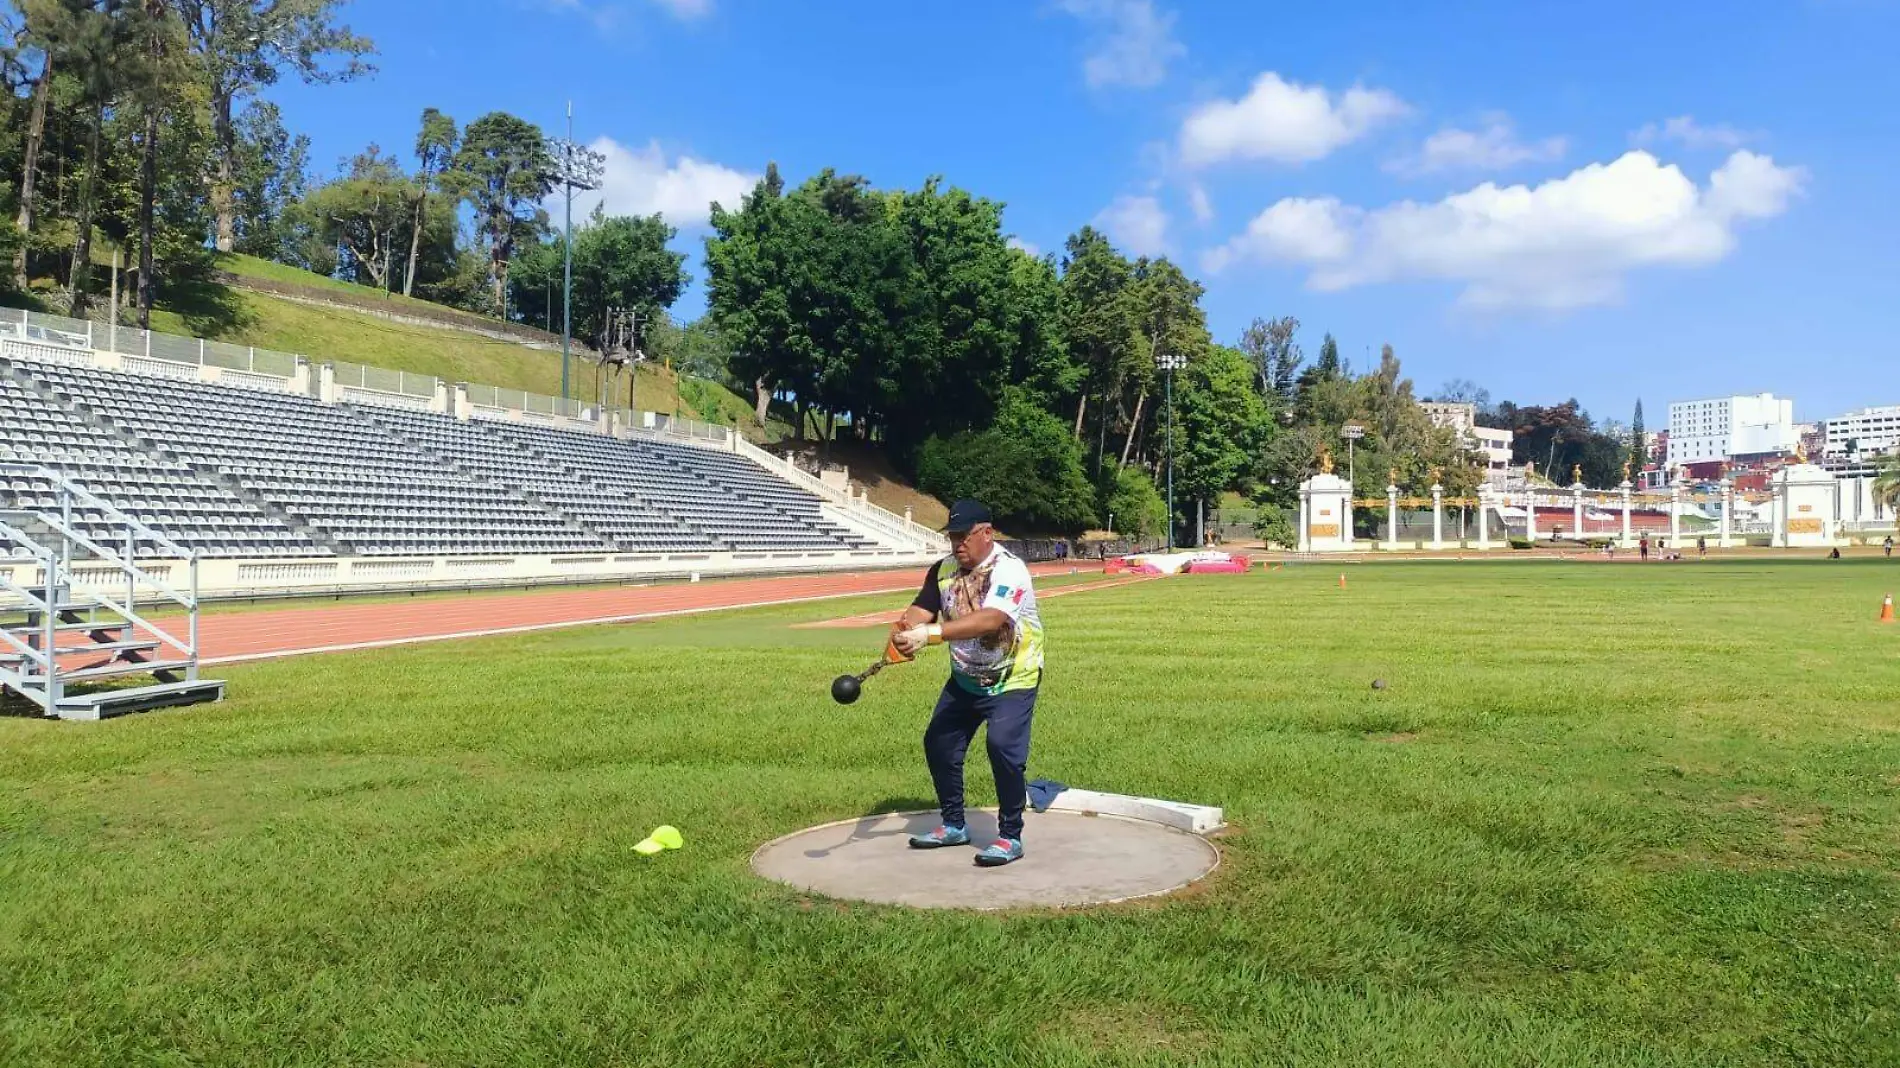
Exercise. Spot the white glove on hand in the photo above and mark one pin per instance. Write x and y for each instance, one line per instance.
(910, 641)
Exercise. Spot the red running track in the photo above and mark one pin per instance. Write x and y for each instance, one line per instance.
(239, 636)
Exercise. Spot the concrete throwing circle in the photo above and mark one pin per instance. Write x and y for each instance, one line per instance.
(1069, 859)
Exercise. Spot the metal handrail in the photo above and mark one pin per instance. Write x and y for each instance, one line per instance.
(44, 658)
(40, 552)
(93, 500)
(112, 558)
(189, 649)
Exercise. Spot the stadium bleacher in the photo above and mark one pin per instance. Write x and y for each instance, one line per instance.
(238, 472)
(169, 496)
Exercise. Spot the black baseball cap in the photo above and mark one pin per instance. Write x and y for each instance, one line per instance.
(965, 514)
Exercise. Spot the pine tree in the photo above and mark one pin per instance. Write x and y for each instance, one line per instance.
(1639, 452)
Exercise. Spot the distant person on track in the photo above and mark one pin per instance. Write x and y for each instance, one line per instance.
(1701, 547)
(1887, 545)
(980, 602)
(1642, 547)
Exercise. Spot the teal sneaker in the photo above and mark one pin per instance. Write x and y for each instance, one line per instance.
(1000, 852)
(942, 836)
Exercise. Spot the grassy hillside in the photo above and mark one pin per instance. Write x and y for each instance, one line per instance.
(243, 317)
(872, 472)
(252, 267)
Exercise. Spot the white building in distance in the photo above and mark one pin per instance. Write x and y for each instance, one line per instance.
(1728, 428)
(1452, 415)
(1868, 431)
(1493, 444)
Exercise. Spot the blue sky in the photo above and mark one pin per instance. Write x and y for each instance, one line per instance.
(1606, 201)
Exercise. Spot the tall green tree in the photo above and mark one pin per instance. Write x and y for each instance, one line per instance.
(240, 46)
(364, 213)
(1269, 344)
(1098, 317)
(1131, 504)
(1027, 468)
(436, 143)
(46, 27)
(504, 172)
(748, 255)
(902, 310)
(620, 262)
(1639, 444)
(1040, 363)
(163, 100)
(955, 285)
(1325, 370)
(271, 175)
(101, 52)
(1221, 425)
(1170, 321)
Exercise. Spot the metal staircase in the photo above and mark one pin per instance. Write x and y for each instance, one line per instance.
(70, 591)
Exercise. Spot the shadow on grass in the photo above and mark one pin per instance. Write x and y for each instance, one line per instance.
(13, 706)
(209, 309)
(900, 804)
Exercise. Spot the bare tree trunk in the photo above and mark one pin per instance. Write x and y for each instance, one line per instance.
(831, 430)
(224, 179)
(148, 200)
(415, 245)
(1081, 406)
(35, 139)
(1101, 433)
(376, 262)
(498, 262)
(764, 400)
(82, 249)
(1128, 445)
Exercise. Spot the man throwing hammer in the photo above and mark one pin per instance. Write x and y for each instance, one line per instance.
(979, 601)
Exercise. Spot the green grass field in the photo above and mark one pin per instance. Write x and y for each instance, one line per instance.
(1602, 815)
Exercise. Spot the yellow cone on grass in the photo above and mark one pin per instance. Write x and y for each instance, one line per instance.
(663, 837)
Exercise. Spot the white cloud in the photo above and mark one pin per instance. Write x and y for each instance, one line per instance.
(1565, 243)
(1684, 130)
(687, 9)
(1284, 122)
(609, 15)
(1198, 202)
(604, 15)
(1138, 224)
(1029, 247)
(643, 181)
(1493, 148)
(1295, 229)
(1134, 45)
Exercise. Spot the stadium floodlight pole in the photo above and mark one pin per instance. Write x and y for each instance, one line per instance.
(577, 168)
(1169, 362)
